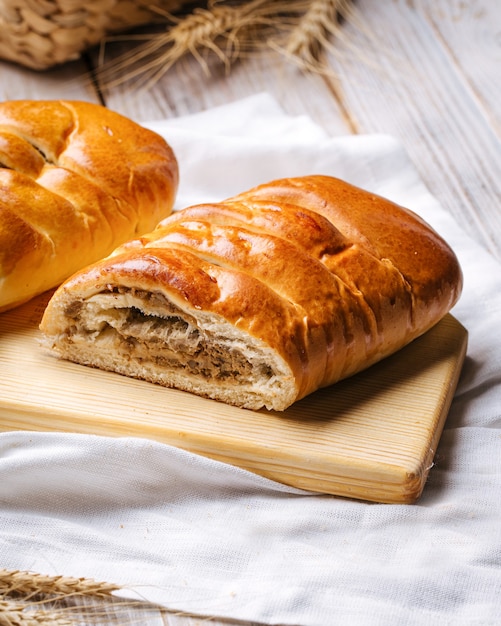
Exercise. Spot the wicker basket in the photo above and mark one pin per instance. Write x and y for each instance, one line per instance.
(42, 33)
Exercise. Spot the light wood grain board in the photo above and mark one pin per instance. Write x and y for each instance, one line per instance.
(371, 437)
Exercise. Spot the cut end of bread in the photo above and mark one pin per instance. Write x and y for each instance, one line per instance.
(143, 335)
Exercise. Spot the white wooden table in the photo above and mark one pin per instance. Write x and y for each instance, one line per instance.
(427, 72)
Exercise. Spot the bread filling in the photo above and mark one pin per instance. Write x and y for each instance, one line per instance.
(171, 342)
(143, 334)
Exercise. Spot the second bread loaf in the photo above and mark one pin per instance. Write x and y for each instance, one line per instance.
(76, 180)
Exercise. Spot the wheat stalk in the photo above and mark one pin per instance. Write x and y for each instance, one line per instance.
(203, 30)
(31, 599)
(33, 591)
(297, 28)
(311, 35)
(31, 584)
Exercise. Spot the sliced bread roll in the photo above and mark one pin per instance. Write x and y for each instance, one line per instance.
(262, 299)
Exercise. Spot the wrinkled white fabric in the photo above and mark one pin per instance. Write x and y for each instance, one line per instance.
(200, 536)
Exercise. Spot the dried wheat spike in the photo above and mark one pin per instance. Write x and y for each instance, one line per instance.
(21, 582)
(312, 33)
(221, 29)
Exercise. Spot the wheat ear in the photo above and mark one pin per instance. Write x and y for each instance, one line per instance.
(229, 31)
(217, 29)
(31, 584)
(312, 34)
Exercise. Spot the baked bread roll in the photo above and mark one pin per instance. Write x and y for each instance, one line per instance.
(261, 299)
(76, 180)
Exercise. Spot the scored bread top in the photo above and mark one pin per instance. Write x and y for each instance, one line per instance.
(330, 277)
(76, 180)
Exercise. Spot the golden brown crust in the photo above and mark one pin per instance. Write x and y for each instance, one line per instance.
(382, 228)
(330, 277)
(76, 180)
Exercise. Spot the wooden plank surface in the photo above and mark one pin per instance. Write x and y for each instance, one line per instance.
(187, 89)
(417, 82)
(371, 437)
(70, 81)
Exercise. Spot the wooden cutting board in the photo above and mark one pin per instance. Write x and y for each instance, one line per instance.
(371, 437)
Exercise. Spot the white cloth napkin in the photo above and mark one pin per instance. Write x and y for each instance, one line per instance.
(204, 537)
